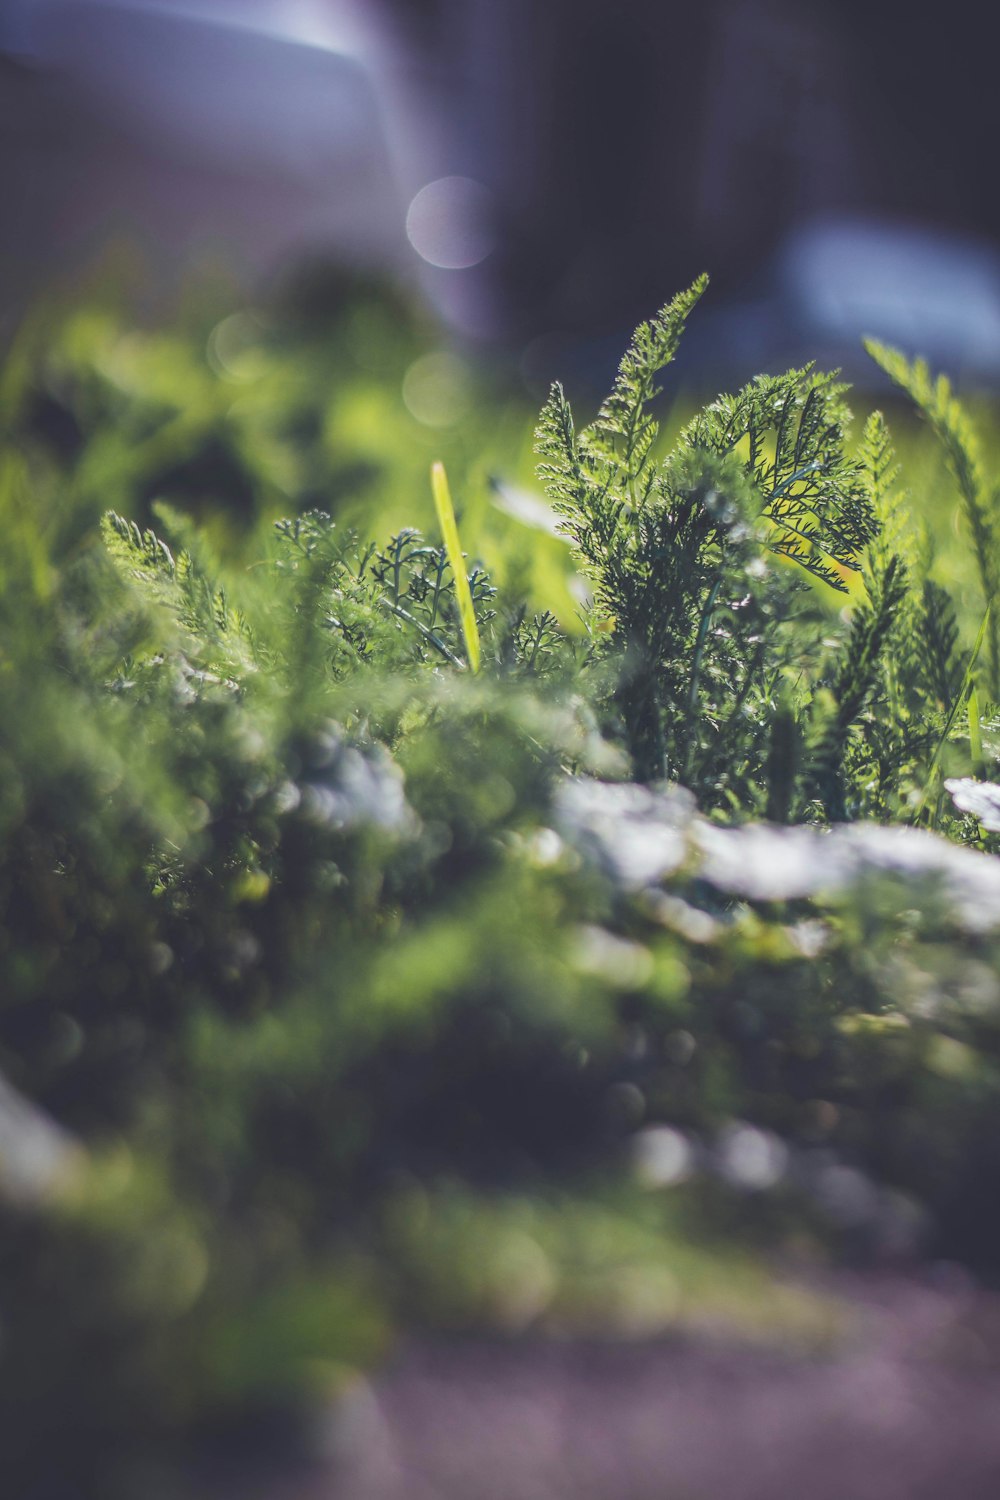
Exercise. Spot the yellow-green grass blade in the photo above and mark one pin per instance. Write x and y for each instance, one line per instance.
(449, 530)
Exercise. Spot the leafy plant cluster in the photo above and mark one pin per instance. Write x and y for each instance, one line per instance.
(320, 1002)
(729, 675)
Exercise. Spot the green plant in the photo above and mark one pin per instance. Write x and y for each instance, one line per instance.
(728, 674)
(343, 961)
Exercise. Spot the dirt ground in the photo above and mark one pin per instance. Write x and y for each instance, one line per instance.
(905, 1406)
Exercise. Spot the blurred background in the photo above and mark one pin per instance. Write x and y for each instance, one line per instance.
(543, 175)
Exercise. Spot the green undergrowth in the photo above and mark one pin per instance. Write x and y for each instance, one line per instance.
(327, 1011)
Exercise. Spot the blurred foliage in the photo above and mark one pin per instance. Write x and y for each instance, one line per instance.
(357, 1030)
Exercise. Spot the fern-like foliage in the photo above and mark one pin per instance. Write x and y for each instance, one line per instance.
(858, 679)
(937, 404)
(689, 596)
(792, 430)
(875, 728)
(138, 553)
(207, 630)
(936, 644)
(720, 666)
(624, 428)
(596, 480)
(342, 605)
(537, 645)
(418, 587)
(711, 654)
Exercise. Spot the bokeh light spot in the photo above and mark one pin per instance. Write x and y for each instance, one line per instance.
(449, 223)
(436, 389)
(661, 1156)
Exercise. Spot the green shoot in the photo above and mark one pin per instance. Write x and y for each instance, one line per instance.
(449, 531)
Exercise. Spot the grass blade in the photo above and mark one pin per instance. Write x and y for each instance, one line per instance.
(449, 531)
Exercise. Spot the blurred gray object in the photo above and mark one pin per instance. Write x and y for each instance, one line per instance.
(37, 1158)
(251, 131)
(850, 277)
(832, 282)
(546, 174)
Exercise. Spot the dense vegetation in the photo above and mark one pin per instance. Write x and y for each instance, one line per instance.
(383, 944)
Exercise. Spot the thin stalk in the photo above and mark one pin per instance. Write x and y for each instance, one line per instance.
(449, 530)
(438, 585)
(428, 635)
